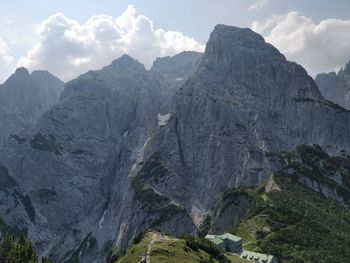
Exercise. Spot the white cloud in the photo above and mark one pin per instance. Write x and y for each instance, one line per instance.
(67, 48)
(5, 58)
(319, 47)
(258, 4)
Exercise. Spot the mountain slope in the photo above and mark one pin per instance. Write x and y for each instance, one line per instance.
(24, 98)
(296, 213)
(244, 101)
(105, 163)
(161, 248)
(75, 164)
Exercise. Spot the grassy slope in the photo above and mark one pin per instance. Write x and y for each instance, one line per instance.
(290, 221)
(169, 250)
(297, 224)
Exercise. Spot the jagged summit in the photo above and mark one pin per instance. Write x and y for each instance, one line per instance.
(178, 58)
(336, 86)
(22, 76)
(347, 68)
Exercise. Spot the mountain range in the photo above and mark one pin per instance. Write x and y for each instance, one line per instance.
(336, 86)
(116, 151)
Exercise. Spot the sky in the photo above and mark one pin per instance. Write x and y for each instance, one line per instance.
(71, 37)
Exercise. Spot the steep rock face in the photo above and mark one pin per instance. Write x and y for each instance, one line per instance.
(327, 175)
(244, 102)
(24, 98)
(14, 199)
(229, 211)
(76, 164)
(172, 73)
(336, 86)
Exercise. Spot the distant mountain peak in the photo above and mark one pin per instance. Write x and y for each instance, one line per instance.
(127, 61)
(347, 68)
(22, 71)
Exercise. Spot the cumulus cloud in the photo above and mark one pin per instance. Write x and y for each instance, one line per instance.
(67, 48)
(319, 47)
(258, 4)
(5, 58)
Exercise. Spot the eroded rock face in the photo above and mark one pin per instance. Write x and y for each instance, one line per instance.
(111, 158)
(24, 98)
(173, 72)
(244, 102)
(229, 211)
(76, 164)
(336, 86)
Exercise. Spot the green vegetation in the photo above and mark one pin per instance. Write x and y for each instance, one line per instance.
(135, 252)
(287, 218)
(295, 223)
(166, 249)
(196, 243)
(18, 251)
(313, 163)
(284, 217)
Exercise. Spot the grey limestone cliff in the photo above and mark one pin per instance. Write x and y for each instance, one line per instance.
(336, 86)
(110, 159)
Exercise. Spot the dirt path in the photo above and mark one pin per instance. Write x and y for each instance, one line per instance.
(149, 248)
(156, 237)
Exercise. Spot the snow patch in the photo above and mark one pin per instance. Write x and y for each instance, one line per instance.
(179, 79)
(102, 219)
(163, 119)
(125, 134)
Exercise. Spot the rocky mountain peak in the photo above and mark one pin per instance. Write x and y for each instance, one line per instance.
(128, 62)
(336, 86)
(180, 63)
(22, 72)
(20, 75)
(24, 97)
(347, 68)
(249, 66)
(227, 41)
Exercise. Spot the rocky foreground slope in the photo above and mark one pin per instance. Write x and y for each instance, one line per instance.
(111, 159)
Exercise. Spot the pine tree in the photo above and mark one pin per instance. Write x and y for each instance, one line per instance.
(21, 251)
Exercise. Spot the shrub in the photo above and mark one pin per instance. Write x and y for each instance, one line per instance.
(196, 243)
